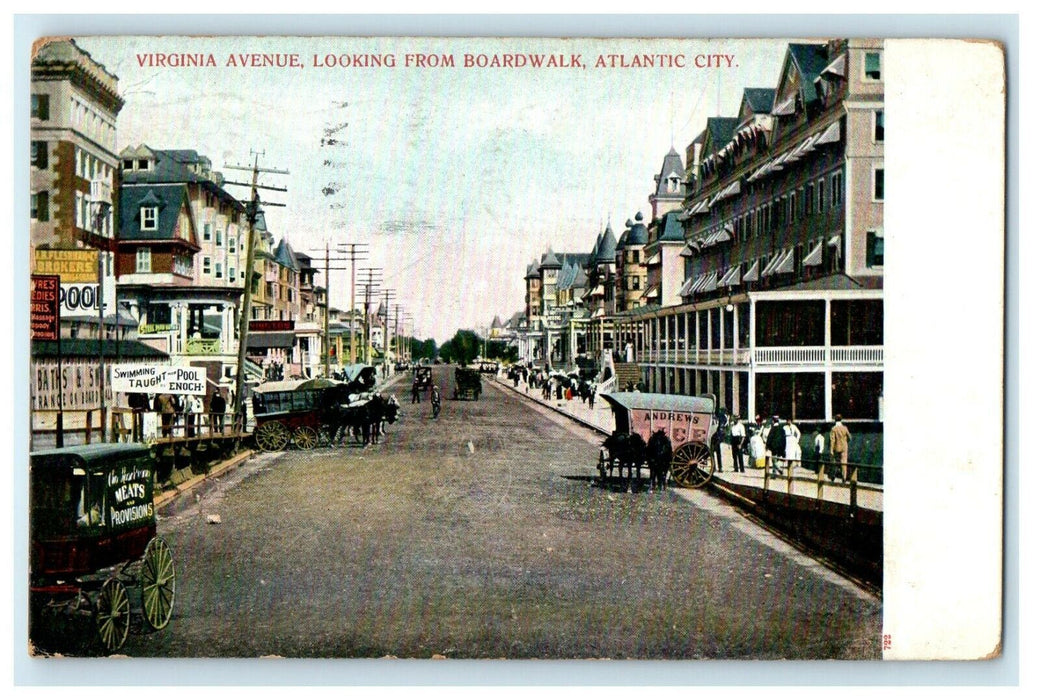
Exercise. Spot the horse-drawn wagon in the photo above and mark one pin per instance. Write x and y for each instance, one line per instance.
(661, 432)
(296, 412)
(95, 554)
(422, 377)
(467, 383)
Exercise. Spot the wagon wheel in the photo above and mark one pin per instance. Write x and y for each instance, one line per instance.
(158, 584)
(692, 465)
(112, 615)
(305, 437)
(271, 436)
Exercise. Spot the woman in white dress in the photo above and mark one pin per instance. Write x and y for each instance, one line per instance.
(793, 448)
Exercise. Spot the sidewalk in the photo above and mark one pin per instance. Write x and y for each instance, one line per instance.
(801, 483)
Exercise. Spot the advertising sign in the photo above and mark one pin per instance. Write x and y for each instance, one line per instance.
(70, 265)
(44, 314)
(80, 299)
(159, 379)
(130, 496)
(269, 326)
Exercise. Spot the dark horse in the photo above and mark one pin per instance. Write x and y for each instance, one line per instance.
(627, 452)
(659, 458)
(363, 419)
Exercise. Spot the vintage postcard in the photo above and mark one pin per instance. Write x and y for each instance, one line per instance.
(511, 348)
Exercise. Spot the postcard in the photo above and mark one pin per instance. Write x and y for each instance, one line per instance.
(512, 348)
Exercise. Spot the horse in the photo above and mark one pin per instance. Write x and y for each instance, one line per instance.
(627, 452)
(659, 458)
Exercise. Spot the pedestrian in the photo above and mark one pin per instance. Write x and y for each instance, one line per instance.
(167, 413)
(776, 446)
(757, 449)
(816, 451)
(415, 391)
(737, 437)
(792, 443)
(217, 407)
(840, 446)
(592, 397)
(138, 404)
(435, 400)
(192, 409)
(721, 428)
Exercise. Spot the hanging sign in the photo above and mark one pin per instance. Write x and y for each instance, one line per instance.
(159, 379)
(44, 310)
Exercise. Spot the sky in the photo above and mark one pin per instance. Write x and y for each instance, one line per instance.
(455, 177)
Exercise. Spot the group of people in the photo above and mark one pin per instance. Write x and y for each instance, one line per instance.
(174, 409)
(776, 444)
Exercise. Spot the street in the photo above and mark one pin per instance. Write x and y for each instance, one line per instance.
(481, 534)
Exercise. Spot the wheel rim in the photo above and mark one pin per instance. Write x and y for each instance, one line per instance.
(692, 465)
(158, 584)
(272, 436)
(305, 437)
(112, 615)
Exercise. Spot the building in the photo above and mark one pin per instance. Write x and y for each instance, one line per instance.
(781, 309)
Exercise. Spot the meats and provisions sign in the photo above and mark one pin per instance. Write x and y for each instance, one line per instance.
(159, 379)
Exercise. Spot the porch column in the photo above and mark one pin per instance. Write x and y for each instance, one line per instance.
(828, 390)
(226, 315)
(697, 336)
(751, 361)
(178, 310)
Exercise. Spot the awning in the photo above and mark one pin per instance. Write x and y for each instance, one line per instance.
(263, 341)
(724, 234)
(688, 251)
(836, 67)
(654, 259)
(732, 189)
(652, 292)
(684, 290)
(752, 274)
(786, 262)
(830, 135)
(731, 278)
(698, 283)
(815, 256)
(835, 241)
(768, 269)
(711, 283)
(597, 291)
(785, 107)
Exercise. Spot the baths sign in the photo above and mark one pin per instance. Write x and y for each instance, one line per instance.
(159, 379)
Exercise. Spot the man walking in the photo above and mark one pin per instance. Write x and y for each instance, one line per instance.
(737, 434)
(217, 407)
(435, 400)
(840, 446)
(776, 447)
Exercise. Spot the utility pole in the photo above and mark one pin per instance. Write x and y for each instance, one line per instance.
(252, 211)
(386, 327)
(371, 285)
(353, 252)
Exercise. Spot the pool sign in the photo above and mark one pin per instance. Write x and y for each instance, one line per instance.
(159, 379)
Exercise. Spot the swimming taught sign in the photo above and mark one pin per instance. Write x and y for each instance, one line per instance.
(158, 379)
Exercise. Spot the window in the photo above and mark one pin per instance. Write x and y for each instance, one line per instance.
(128, 164)
(879, 126)
(875, 249)
(38, 154)
(821, 198)
(41, 107)
(872, 65)
(207, 232)
(232, 244)
(220, 238)
(810, 199)
(219, 274)
(144, 164)
(231, 273)
(205, 265)
(144, 260)
(837, 189)
(879, 184)
(149, 218)
(39, 205)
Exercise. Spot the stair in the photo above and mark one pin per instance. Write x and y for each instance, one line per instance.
(627, 373)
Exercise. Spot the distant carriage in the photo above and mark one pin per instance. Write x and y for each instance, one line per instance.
(422, 377)
(686, 421)
(94, 551)
(467, 383)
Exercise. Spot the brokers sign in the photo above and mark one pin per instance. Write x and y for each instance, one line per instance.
(159, 379)
(70, 265)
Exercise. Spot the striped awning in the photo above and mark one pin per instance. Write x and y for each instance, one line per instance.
(652, 292)
(768, 269)
(785, 263)
(785, 107)
(836, 67)
(731, 278)
(654, 259)
(830, 135)
(752, 274)
(815, 256)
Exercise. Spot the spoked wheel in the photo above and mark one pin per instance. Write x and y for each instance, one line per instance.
(112, 615)
(305, 438)
(272, 436)
(692, 465)
(158, 584)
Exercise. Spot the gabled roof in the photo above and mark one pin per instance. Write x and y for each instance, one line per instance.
(671, 229)
(607, 246)
(672, 166)
(171, 166)
(532, 270)
(170, 200)
(549, 261)
(810, 60)
(284, 256)
(720, 131)
(759, 100)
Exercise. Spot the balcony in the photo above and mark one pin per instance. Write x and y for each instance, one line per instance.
(202, 346)
(854, 356)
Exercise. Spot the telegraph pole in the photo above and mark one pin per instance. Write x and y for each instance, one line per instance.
(371, 285)
(355, 253)
(252, 211)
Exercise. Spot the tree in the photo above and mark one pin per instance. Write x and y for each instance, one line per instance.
(463, 347)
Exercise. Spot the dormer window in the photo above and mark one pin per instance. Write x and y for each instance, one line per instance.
(144, 164)
(149, 218)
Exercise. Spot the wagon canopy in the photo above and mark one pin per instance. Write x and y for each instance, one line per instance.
(684, 418)
(359, 377)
